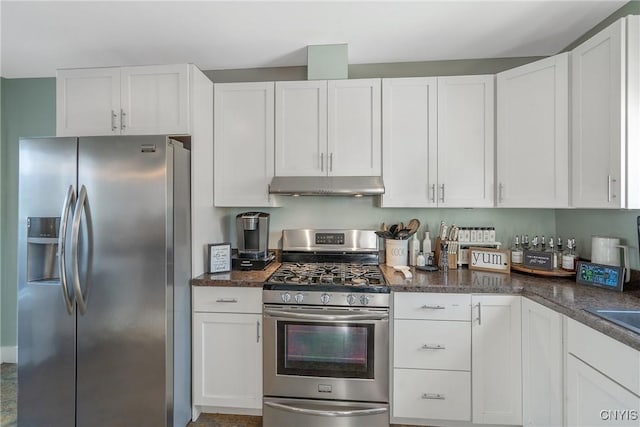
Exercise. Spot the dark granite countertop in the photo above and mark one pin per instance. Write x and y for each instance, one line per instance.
(560, 294)
(253, 278)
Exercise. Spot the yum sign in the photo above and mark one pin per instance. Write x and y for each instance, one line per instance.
(487, 259)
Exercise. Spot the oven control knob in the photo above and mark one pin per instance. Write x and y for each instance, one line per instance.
(286, 297)
(364, 299)
(351, 299)
(324, 298)
(299, 298)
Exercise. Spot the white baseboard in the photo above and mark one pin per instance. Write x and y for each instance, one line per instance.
(9, 354)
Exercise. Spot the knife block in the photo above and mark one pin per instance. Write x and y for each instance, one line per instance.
(453, 257)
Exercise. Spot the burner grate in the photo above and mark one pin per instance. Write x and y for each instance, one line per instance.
(328, 274)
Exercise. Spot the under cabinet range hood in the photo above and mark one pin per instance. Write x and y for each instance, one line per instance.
(327, 185)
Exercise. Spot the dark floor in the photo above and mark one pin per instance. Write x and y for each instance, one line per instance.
(8, 394)
(8, 409)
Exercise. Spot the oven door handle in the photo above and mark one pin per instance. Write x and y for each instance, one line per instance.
(328, 413)
(325, 317)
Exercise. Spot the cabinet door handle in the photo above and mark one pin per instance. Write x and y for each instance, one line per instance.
(433, 307)
(321, 162)
(122, 119)
(610, 194)
(433, 193)
(479, 314)
(442, 189)
(227, 300)
(330, 162)
(433, 347)
(114, 116)
(258, 331)
(500, 188)
(433, 396)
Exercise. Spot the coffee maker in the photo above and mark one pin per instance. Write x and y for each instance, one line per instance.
(252, 230)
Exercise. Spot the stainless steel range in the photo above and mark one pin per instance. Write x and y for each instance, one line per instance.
(326, 332)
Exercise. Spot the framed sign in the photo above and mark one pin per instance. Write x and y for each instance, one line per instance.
(219, 257)
(488, 259)
(538, 260)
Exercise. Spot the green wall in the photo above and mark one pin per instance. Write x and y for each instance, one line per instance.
(584, 223)
(28, 109)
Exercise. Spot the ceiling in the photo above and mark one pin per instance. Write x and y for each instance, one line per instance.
(39, 37)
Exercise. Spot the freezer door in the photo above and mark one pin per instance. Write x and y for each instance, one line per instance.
(124, 340)
(46, 314)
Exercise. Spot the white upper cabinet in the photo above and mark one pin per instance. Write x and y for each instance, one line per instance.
(465, 141)
(123, 100)
(154, 99)
(533, 135)
(438, 141)
(328, 128)
(604, 116)
(243, 144)
(88, 102)
(353, 127)
(301, 128)
(409, 141)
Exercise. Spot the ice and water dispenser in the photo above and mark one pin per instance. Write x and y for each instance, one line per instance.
(42, 249)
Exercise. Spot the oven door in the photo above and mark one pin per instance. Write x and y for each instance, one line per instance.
(326, 353)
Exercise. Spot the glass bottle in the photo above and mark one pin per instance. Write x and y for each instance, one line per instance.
(492, 234)
(414, 249)
(516, 251)
(559, 252)
(534, 243)
(443, 261)
(525, 242)
(421, 260)
(543, 244)
(570, 257)
(552, 250)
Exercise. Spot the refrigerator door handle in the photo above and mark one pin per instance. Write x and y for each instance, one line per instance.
(62, 240)
(82, 298)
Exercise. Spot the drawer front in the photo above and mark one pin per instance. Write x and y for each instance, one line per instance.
(227, 299)
(432, 306)
(614, 359)
(438, 395)
(432, 344)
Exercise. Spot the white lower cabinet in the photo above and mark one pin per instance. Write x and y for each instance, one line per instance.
(593, 399)
(227, 350)
(431, 359)
(496, 364)
(603, 379)
(542, 371)
(432, 394)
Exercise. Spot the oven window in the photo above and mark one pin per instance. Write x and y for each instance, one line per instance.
(340, 350)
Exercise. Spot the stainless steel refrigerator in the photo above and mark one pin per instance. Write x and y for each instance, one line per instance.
(103, 282)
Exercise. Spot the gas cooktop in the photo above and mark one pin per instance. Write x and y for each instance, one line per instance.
(319, 276)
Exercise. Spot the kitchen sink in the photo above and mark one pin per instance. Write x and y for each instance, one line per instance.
(627, 318)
